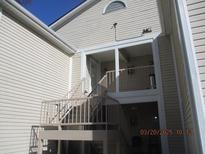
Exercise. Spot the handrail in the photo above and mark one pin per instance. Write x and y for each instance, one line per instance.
(75, 89)
(97, 85)
(137, 67)
(65, 98)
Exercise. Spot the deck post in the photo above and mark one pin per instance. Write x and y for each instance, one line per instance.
(117, 73)
(117, 147)
(59, 142)
(105, 147)
(82, 147)
(59, 147)
(40, 146)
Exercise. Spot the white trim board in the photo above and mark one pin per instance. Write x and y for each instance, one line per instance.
(120, 44)
(137, 93)
(161, 108)
(136, 100)
(139, 96)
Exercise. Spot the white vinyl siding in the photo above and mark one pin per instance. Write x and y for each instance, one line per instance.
(76, 84)
(31, 70)
(196, 10)
(92, 27)
(184, 91)
(171, 98)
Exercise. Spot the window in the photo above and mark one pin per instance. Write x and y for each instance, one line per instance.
(114, 6)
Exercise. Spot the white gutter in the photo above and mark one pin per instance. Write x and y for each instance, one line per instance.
(68, 16)
(31, 21)
(194, 80)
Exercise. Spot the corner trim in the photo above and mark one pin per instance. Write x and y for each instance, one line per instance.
(70, 72)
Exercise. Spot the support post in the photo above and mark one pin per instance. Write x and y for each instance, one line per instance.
(105, 148)
(40, 146)
(117, 147)
(117, 73)
(160, 103)
(82, 147)
(59, 147)
(59, 142)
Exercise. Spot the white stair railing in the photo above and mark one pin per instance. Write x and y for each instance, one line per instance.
(133, 78)
(55, 111)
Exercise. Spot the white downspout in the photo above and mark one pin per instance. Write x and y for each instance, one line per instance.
(117, 73)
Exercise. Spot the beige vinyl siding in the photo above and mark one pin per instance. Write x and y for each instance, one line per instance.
(186, 107)
(92, 27)
(183, 88)
(196, 10)
(31, 70)
(76, 83)
(171, 98)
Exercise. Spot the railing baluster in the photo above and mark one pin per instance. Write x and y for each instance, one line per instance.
(68, 116)
(101, 110)
(48, 109)
(45, 113)
(80, 113)
(41, 112)
(76, 114)
(106, 116)
(88, 110)
(54, 112)
(84, 112)
(72, 112)
(106, 80)
(97, 118)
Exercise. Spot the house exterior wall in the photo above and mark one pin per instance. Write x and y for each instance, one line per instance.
(31, 70)
(92, 27)
(196, 10)
(185, 97)
(170, 94)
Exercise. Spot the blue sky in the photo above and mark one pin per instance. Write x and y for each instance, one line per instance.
(49, 11)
